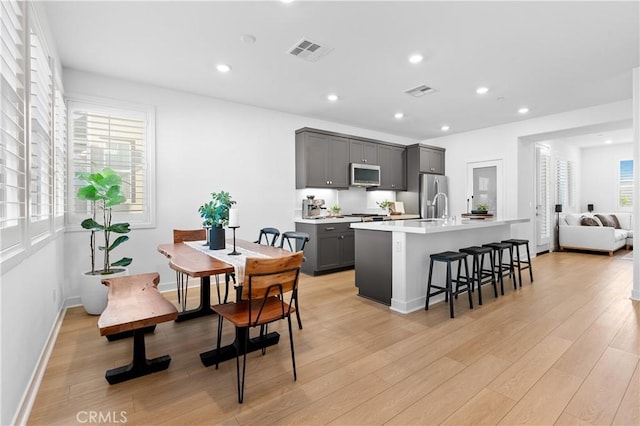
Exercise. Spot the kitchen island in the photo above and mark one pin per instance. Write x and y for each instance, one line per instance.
(332, 242)
(392, 258)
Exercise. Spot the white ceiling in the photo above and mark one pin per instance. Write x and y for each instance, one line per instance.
(548, 56)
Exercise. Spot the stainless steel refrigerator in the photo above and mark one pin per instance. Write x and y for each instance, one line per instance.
(430, 185)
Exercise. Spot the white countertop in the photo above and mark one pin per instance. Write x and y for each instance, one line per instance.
(431, 226)
(326, 220)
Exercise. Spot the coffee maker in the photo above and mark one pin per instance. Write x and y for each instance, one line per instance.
(312, 208)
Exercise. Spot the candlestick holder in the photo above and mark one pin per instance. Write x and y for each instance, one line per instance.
(234, 252)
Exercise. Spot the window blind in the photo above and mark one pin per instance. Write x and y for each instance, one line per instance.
(544, 199)
(566, 183)
(60, 143)
(12, 110)
(118, 138)
(41, 143)
(625, 183)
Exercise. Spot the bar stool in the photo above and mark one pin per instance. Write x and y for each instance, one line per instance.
(480, 275)
(502, 268)
(449, 257)
(518, 263)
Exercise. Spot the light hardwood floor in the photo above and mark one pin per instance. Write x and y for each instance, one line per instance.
(563, 350)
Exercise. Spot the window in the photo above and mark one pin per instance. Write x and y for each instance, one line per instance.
(40, 141)
(543, 204)
(625, 184)
(29, 154)
(119, 137)
(60, 155)
(12, 109)
(565, 183)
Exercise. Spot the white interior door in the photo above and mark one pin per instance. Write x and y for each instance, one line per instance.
(543, 199)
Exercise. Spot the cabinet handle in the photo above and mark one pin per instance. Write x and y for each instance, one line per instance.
(330, 228)
(342, 237)
(433, 169)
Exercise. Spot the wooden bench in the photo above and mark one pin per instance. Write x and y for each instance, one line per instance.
(134, 304)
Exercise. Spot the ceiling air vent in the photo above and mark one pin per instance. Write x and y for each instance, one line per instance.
(309, 51)
(420, 91)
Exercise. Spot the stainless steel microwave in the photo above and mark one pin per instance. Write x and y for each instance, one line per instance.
(365, 175)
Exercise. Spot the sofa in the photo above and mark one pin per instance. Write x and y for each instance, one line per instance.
(605, 232)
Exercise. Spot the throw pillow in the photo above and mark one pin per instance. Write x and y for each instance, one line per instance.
(588, 221)
(609, 221)
(572, 220)
(616, 222)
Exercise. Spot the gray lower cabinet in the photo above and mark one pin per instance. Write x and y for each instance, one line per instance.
(331, 247)
(373, 265)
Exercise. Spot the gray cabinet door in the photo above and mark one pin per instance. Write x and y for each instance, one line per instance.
(393, 175)
(363, 152)
(322, 161)
(348, 252)
(316, 152)
(338, 162)
(328, 251)
(431, 161)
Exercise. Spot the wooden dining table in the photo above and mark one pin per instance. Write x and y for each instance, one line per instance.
(198, 264)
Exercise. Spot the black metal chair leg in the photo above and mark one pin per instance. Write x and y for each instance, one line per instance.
(293, 356)
(449, 289)
(218, 340)
(466, 272)
(244, 367)
(298, 311)
(426, 305)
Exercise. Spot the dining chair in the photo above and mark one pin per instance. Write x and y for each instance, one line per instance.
(270, 236)
(266, 280)
(182, 280)
(295, 241)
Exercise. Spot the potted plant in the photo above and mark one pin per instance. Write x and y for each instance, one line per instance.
(386, 206)
(335, 210)
(102, 190)
(216, 216)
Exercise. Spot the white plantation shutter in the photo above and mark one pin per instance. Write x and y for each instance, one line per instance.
(60, 144)
(544, 198)
(565, 183)
(41, 138)
(120, 138)
(625, 184)
(12, 125)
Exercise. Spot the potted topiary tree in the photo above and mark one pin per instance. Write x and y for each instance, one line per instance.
(102, 190)
(216, 216)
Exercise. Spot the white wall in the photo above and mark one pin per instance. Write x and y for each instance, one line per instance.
(504, 142)
(600, 175)
(205, 145)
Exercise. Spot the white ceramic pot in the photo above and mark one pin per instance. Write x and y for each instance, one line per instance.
(93, 293)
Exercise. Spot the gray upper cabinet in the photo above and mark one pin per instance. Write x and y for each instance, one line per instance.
(393, 168)
(323, 157)
(363, 152)
(432, 160)
(322, 160)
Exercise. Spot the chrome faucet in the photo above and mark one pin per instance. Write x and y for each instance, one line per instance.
(446, 203)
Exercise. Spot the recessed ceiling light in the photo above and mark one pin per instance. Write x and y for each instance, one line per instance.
(415, 58)
(482, 90)
(223, 67)
(332, 97)
(286, 1)
(444, 128)
(523, 110)
(398, 115)
(608, 141)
